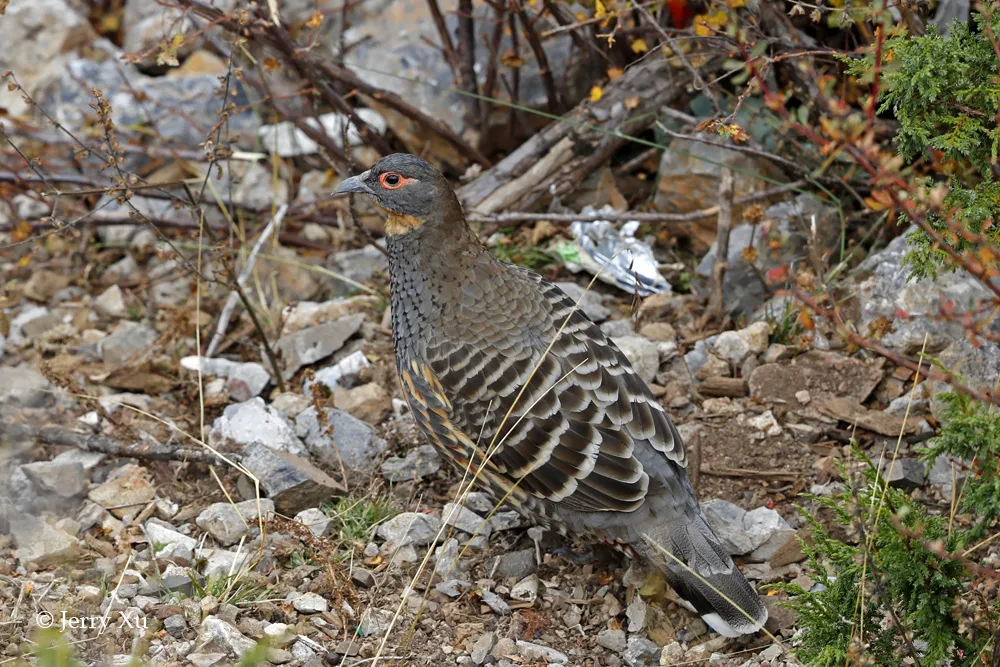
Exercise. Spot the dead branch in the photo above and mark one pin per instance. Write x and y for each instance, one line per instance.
(93, 442)
(557, 159)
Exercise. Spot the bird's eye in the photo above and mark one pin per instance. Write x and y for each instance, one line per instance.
(392, 180)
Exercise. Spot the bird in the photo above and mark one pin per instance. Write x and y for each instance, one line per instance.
(506, 376)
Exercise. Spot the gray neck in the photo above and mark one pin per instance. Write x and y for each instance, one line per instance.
(427, 268)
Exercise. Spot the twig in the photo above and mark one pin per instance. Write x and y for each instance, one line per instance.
(776, 475)
(234, 296)
(716, 306)
(61, 437)
(466, 55)
(551, 93)
(524, 216)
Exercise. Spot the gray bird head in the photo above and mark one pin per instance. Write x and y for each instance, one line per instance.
(409, 189)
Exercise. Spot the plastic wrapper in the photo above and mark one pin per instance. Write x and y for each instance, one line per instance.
(615, 255)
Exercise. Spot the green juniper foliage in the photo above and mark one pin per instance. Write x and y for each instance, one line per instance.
(971, 432)
(943, 92)
(902, 568)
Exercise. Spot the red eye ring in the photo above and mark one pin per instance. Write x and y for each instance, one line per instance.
(392, 180)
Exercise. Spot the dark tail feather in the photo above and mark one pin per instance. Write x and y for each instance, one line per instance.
(717, 578)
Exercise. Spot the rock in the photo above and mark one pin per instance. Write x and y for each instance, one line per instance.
(636, 614)
(888, 291)
(42, 285)
(514, 564)
(641, 653)
(168, 543)
(531, 651)
(783, 239)
(343, 373)
(200, 659)
(307, 314)
(781, 549)
(764, 425)
(905, 474)
(357, 265)
(244, 381)
(218, 636)
(642, 354)
(979, 366)
(613, 640)
(505, 521)
(409, 528)
(735, 346)
(465, 520)
(289, 404)
(618, 328)
(855, 414)
(453, 588)
(446, 558)
(339, 438)
(739, 531)
(42, 544)
(280, 634)
(224, 523)
(308, 346)
(673, 654)
(779, 617)
(946, 472)
(494, 602)
(175, 626)
(192, 100)
(287, 140)
(87, 460)
(689, 175)
(309, 603)
(125, 492)
(730, 346)
(412, 65)
(592, 304)
(363, 578)
(65, 30)
(292, 482)
(374, 622)
(126, 342)
(111, 303)
(777, 352)
(481, 649)
(817, 372)
(369, 402)
(712, 366)
(219, 562)
(525, 590)
(418, 463)
(22, 386)
(318, 523)
(253, 421)
(65, 480)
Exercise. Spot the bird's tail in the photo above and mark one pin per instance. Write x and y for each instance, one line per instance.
(711, 584)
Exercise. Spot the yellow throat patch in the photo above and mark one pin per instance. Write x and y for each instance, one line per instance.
(398, 223)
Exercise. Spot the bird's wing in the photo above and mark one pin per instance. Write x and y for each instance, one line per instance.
(562, 419)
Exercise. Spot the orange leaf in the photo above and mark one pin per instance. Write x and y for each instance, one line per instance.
(596, 93)
(639, 46)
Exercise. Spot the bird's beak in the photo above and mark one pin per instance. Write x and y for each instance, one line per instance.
(354, 184)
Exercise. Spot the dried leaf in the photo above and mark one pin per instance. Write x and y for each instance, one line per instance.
(639, 46)
(316, 20)
(510, 59)
(596, 93)
(614, 73)
(632, 102)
